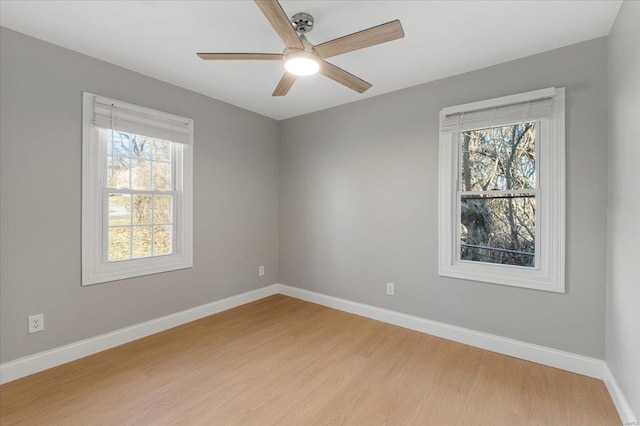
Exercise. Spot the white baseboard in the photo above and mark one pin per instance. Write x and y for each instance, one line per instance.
(580, 364)
(575, 363)
(31, 364)
(623, 407)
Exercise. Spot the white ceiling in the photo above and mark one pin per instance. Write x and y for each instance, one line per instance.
(442, 38)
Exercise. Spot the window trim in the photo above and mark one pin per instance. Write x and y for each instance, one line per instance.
(94, 269)
(548, 274)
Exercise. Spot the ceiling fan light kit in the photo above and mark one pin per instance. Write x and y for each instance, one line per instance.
(301, 58)
(301, 62)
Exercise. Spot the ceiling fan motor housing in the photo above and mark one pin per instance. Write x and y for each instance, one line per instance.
(302, 22)
(308, 56)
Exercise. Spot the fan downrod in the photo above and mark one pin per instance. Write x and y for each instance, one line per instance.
(302, 23)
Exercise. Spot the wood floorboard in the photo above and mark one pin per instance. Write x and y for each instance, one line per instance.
(284, 361)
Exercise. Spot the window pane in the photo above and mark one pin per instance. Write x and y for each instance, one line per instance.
(141, 176)
(119, 209)
(498, 229)
(119, 243)
(161, 240)
(118, 172)
(161, 150)
(162, 209)
(140, 147)
(161, 176)
(141, 241)
(141, 209)
(119, 143)
(498, 158)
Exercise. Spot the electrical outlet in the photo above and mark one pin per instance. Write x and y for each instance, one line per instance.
(36, 323)
(261, 271)
(391, 290)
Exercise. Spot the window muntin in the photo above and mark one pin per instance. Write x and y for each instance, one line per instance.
(537, 194)
(137, 191)
(497, 195)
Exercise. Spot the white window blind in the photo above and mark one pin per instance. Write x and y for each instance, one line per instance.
(531, 106)
(128, 118)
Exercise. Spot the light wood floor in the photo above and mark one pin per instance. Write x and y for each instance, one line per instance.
(284, 361)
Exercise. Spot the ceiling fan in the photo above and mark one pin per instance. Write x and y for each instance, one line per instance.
(302, 58)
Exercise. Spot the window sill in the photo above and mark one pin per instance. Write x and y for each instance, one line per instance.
(505, 275)
(134, 268)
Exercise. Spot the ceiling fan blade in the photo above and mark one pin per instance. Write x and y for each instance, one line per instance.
(343, 77)
(284, 85)
(365, 38)
(280, 22)
(240, 56)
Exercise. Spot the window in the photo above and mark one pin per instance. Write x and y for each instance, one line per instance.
(137, 197)
(501, 191)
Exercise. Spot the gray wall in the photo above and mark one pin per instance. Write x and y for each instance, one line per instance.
(623, 281)
(235, 199)
(358, 203)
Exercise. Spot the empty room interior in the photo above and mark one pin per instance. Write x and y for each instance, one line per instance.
(320, 212)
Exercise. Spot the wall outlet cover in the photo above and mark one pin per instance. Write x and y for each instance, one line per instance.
(36, 323)
(391, 289)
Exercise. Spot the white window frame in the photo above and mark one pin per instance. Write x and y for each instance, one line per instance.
(95, 266)
(548, 273)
